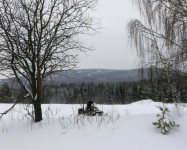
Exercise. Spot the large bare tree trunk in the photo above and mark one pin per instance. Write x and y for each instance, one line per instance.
(37, 99)
(37, 110)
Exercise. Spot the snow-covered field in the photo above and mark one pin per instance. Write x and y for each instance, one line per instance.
(126, 127)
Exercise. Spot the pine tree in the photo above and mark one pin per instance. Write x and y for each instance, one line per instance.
(181, 95)
(6, 94)
(164, 120)
(135, 91)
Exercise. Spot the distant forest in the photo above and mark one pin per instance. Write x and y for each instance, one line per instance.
(153, 88)
(112, 93)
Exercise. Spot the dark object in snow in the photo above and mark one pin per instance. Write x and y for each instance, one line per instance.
(90, 110)
(90, 104)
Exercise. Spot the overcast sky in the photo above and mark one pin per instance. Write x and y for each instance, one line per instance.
(112, 50)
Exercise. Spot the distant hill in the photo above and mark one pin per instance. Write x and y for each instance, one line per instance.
(97, 75)
(91, 75)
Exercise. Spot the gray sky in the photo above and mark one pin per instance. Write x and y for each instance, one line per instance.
(112, 50)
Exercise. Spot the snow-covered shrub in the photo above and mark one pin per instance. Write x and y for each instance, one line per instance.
(164, 120)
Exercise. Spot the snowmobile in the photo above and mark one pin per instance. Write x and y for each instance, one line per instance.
(90, 111)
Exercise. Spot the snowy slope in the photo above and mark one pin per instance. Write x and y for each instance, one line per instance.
(127, 127)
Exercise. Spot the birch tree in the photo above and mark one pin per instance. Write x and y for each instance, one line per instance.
(161, 37)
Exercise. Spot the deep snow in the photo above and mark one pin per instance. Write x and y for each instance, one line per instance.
(127, 127)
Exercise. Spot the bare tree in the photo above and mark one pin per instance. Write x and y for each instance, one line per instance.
(161, 38)
(39, 38)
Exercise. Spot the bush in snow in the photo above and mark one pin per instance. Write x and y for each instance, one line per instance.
(164, 120)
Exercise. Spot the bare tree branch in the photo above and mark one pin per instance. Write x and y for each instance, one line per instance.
(5, 112)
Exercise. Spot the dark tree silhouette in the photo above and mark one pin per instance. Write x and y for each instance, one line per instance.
(39, 38)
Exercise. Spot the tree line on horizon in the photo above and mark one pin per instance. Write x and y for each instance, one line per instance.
(104, 93)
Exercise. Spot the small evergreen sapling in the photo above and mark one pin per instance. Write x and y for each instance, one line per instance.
(164, 122)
